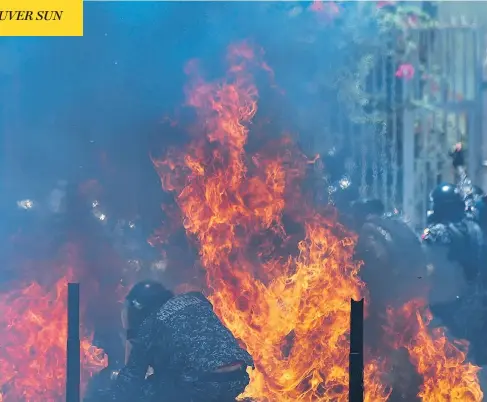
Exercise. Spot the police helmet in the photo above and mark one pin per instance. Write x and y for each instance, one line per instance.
(144, 298)
(362, 209)
(446, 202)
(369, 207)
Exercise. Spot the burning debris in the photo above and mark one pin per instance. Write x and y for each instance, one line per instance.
(227, 200)
(442, 364)
(274, 298)
(279, 268)
(33, 344)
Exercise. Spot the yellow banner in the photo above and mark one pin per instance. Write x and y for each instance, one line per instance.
(41, 17)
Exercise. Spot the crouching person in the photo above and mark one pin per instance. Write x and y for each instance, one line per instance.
(193, 357)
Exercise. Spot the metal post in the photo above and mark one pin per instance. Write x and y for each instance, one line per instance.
(356, 360)
(408, 159)
(73, 368)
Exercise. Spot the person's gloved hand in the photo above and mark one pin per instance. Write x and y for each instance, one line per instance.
(458, 155)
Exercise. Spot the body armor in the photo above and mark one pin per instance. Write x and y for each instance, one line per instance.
(456, 255)
(394, 263)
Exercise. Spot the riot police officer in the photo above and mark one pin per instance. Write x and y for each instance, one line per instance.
(455, 246)
(389, 249)
(391, 253)
(394, 270)
(474, 197)
(478, 208)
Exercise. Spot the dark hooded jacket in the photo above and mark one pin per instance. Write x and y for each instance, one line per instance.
(182, 342)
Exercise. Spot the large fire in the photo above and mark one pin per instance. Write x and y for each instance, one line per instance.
(281, 273)
(446, 376)
(33, 342)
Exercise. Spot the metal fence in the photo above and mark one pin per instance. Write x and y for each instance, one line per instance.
(418, 108)
(443, 105)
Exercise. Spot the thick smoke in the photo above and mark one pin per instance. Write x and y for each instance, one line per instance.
(92, 109)
(77, 106)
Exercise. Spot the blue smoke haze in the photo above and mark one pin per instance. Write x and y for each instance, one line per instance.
(69, 100)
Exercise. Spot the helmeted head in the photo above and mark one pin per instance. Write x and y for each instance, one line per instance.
(446, 203)
(144, 298)
(362, 209)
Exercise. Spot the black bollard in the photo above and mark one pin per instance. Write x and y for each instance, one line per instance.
(356, 360)
(73, 364)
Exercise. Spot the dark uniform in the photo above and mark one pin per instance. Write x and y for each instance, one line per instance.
(449, 225)
(456, 250)
(474, 197)
(392, 255)
(476, 203)
(394, 270)
(194, 357)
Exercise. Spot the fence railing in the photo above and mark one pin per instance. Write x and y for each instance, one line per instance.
(420, 103)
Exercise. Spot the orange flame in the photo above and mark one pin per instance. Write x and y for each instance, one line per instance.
(289, 305)
(442, 364)
(33, 344)
(291, 312)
